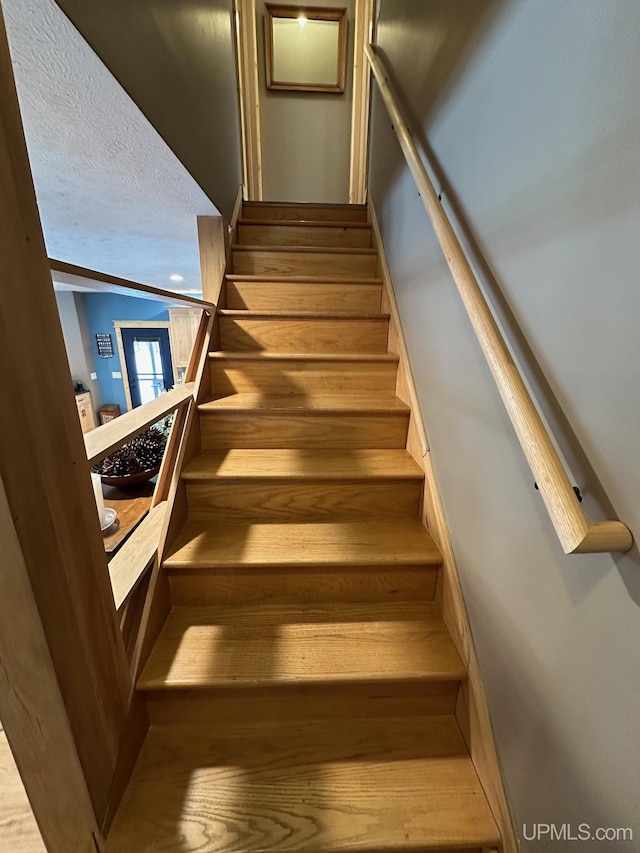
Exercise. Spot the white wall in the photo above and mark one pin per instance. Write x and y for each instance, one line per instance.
(77, 340)
(531, 108)
(306, 136)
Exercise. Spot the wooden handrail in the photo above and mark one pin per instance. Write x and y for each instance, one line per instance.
(199, 350)
(103, 440)
(131, 570)
(92, 279)
(575, 532)
(199, 356)
(129, 565)
(170, 488)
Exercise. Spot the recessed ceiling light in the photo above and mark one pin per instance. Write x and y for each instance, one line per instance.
(303, 21)
(176, 277)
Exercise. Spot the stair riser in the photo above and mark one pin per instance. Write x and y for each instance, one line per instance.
(264, 262)
(397, 699)
(321, 335)
(313, 586)
(304, 235)
(304, 296)
(301, 377)
(263, 429)
(301, 213)
(298, 502)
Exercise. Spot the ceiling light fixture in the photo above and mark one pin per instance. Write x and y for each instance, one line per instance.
(303, 21)
(176, 277)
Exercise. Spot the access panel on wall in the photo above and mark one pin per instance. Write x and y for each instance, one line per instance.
(306, 48)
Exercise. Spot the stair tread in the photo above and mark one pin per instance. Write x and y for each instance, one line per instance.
(313, 404)
(247, 314)
(301, 279)
(321, 250)
(358, 785)
(271, 645)
(341, 544)
(302, 205)
(328, 223)
(262, 355)
(307, 464)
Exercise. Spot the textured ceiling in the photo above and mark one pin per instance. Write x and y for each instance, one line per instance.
(177, 60)
(112, 195)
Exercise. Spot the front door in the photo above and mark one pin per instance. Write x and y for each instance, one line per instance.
(148, 357)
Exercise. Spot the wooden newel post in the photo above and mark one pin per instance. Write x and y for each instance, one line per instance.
(213, 240)
(64, 682)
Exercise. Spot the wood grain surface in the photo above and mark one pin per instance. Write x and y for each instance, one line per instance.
(304, 212)
(105, 439)
(360, 111)
(306, 404)
(283, 233)
(315, 296)
(296, 704)
(364, 785)
(287, 421)
(250, 260)
(132, 561)
(131, 505)
(276, 644)
(311, 484)
(302, 690)
(307, 464)
(298, 585)
(305, 429)
(306, 374)
(19, 831)
(300, 333)
(403, 543)
(95, 280)
(63, 680)
(248, 96)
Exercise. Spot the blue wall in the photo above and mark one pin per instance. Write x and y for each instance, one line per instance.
(102, 309)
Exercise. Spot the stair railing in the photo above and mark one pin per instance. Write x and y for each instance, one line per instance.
(576, 533)
(71, 643)
(130, 568)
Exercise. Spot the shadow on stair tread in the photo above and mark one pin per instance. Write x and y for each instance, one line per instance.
(309, 544)
(356, 403)
(379, 786)
(322, 721)
(304, 464)
(279, 645)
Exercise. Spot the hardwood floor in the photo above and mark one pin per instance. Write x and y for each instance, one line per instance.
(302, 692)
(19, 831)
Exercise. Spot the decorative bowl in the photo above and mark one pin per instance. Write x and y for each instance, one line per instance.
(130, 479)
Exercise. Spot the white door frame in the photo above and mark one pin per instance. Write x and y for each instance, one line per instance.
(359, 160)
(119, 325)
(249, 100)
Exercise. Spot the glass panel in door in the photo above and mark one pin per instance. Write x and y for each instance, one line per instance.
(148, 362)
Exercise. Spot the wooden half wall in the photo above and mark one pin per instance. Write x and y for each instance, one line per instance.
(63, 715)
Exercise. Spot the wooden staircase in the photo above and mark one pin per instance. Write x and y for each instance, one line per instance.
(303, 688)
